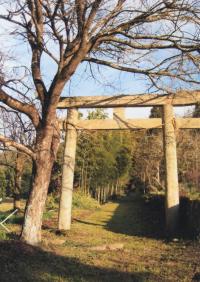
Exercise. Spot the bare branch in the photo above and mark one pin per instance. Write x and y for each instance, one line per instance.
(10, 143)
(15, 104)
(147, 71)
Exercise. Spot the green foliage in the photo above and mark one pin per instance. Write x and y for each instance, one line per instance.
(26, 178)
(14, 219)
(83, 201)
(10, 175)
(103, 158)
(156, 112)
(2, 184)
(80, 200)
(123, 160)
(196, 112)
(52, 201)
(55, 182)
(7, 173)
(3, 235)
(97, 114)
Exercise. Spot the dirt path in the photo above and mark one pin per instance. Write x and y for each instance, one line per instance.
(121, 241)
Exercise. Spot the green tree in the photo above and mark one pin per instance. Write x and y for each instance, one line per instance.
(156, 112)
(97, 114)
(196, 112)
(103, 158)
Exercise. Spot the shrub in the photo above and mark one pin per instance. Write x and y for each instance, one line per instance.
(80, 200)
(83, 201)
(2, 185)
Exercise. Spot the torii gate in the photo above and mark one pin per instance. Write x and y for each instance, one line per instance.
(168, 123)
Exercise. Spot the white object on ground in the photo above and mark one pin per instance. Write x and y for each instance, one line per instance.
(3, 221)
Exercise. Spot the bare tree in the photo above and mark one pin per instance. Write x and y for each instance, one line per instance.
(19, 130)
(145, 37)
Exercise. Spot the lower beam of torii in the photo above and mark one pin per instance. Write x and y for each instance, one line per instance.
(169, 137)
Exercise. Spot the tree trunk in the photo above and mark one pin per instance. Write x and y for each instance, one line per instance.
(112, 191)
(20, 160)
(82, 177)
(46, 149)
(99, 194)
(158, 172)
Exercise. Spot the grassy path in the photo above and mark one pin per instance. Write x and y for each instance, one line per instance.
(85, 253)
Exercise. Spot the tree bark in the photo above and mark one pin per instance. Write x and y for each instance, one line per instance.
(64, 220)
(46, 149)
(20, 160)
(172, 188)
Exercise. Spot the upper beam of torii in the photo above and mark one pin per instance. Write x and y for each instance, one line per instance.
(180, 98)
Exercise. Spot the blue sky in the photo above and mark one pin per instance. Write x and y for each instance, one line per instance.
(108, 82)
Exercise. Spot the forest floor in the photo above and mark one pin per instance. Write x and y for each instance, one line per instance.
(120, 241)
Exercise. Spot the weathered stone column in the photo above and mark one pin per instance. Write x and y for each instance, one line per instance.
(64, 221)
(172, 189)
(119, 117)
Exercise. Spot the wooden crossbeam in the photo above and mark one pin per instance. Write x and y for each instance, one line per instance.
(130, 124)
(181, 98)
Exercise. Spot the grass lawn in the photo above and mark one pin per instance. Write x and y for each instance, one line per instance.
(85, 253)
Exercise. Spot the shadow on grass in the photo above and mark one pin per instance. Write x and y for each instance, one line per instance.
(87, 222)
(21, 262)
(137, 217)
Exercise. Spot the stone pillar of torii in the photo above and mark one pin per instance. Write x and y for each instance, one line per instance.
(171, 170)
(168, 123)
(64, 218)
